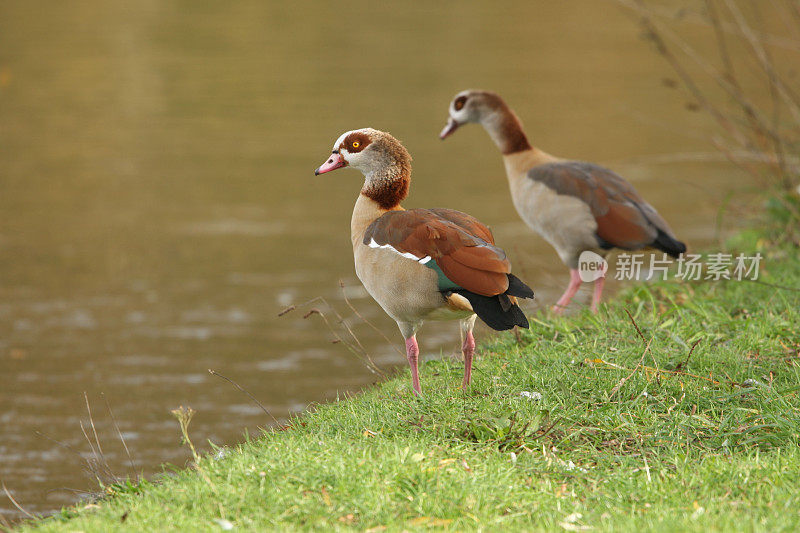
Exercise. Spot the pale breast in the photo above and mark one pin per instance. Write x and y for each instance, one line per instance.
(405, 289)
(565, 222)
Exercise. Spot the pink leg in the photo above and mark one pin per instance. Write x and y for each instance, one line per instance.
(412, 353)
(468, 349)
(598, 292)
(572, 288)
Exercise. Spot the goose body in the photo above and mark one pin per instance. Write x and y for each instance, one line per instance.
(565, 222)
(422, 264)
(410, 295)
(575, 206)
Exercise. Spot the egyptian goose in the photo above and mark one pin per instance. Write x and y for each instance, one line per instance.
(573, 205)
(422, 264)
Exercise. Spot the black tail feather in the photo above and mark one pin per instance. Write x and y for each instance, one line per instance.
(490, 310)
(500, 312)
(516, 287)
(668, 244)
(505, 302)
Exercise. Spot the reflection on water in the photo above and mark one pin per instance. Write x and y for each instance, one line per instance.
(159, 207)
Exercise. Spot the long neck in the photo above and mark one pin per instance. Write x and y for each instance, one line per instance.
(505, 129)
(365, 212)
(383, 191)
(388, 185)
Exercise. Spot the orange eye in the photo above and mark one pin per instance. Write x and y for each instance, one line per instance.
(356, 144)
(459, 103)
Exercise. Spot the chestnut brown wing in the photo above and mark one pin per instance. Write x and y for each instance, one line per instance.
(445, 243)
(467, 222)
(624, 219)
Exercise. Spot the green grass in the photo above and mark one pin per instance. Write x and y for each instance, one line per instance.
(703, 443)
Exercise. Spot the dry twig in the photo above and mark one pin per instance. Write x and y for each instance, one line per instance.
(756, 127)
(641, 360)
(355, 346)
(242, 389)
(17, 505)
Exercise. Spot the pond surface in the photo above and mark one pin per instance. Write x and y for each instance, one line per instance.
(158, 207)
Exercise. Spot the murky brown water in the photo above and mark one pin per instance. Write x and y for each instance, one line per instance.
(159, 207)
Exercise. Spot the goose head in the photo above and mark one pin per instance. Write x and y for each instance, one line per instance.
(471, 106)
(375, 153)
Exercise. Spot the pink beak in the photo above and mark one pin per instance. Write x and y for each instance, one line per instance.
(452, 126)
(336, 161)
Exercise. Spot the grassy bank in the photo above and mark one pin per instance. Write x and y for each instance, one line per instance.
(683, 415)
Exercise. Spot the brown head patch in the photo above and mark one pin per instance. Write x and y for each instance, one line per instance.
(355, 142)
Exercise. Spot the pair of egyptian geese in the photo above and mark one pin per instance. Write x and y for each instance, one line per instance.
(441, 264)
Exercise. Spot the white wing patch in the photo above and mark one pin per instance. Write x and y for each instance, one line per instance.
(407, 255)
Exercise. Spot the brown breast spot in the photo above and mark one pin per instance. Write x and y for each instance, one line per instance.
(388, 194)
